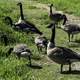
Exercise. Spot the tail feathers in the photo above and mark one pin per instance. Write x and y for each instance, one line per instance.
(78, 28)
(78, 56)
(36, 30)
(33, 28)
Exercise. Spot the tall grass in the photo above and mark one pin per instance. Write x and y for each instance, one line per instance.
(70, 6)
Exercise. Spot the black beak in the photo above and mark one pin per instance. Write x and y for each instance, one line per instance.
(51, 5)
(19, 3)
(50, 25)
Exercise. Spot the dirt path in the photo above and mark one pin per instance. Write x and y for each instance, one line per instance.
(71, 18)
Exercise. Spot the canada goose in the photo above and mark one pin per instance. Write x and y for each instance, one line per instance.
(28, 25)
(41, 42)
(71, 29)
(60, 55)
(22, 24)
(21, 50)
(57, 17)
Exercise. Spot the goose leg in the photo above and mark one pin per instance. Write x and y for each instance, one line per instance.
(72, 37)
(5, 41)
(69, 37)
(41, 49)
(38, 48)
(18, 55)
(69, 66)
(45, 50)
(30, 60)
(61, 68)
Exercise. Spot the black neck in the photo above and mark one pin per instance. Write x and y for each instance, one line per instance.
(9, 52)
(21, 12)
(50, 9)
(10, 20)
(65, 19)
(53, 36)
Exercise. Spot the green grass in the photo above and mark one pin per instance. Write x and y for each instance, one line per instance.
(70, 6)
(13, 69)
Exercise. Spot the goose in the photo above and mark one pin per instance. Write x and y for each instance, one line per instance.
(23, 27)
(41, 42)
(21, 50)
(71, 29)
(60, 55)
(30, 26)
(22, 24)
(57, 17)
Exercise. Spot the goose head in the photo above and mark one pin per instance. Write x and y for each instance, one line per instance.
(19, 4)
(8, 20)
(51, 5)
(40, 33)
(21, 10)
(51, 26)
(51, 9)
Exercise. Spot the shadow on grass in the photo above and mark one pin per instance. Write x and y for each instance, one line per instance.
(36, 57)
(73, 44)
(35, 66)
(77, 41)
(72, 72)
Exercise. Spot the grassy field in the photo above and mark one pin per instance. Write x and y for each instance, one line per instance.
(70, 6)
(14, 69)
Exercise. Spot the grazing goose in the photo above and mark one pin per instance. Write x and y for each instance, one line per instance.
(71, 29)
(22, 26)
(60, 55)
(21, 50)
(57, 17)
(41, 42)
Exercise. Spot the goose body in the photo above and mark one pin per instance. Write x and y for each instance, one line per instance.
(71, 29)
(57, 17)
(21, 50)
(61, 55)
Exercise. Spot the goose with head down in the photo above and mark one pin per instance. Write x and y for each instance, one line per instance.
(41, 42)
(71, 29)
(57, 17)
(21, 50)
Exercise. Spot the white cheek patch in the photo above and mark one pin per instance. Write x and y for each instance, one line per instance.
(50, 45)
